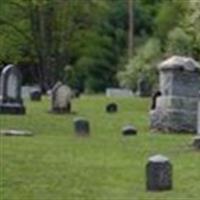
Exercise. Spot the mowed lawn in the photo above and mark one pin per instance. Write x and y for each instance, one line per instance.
(54, 164)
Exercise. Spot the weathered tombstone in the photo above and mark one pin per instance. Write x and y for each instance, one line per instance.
(196, 142)
(176, 108)
(35, 95)
(158, 173)
(129, 130)
(143, 87)
(61, 98)
(111, 108)
(118, 92)
(11, 101)
(15, 133)
(81, 126)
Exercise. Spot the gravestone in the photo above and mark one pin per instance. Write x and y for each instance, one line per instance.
(10, 91)
(118, 92)
(143, 87)
(61, 96)
(129, 130)
(35, 95)
(196, 142)
(111, 108)
(176, 108)
(15, 133)
(158, 173)
(81, 126)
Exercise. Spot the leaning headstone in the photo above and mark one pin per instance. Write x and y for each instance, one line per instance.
(196, 142)
(35, 95)
(118, 92)
(11, 101)
(176, 108)
(111, 108)
(81, 126)
(61, 98)
(158, 173)
(129, 130)
(15, 133)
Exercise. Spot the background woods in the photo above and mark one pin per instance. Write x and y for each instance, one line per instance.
(87, 42)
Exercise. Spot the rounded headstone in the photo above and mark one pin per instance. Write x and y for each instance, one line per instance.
(35, 95)
(81, 126)
(196, 142)
(158, 173)
(111, 108)
(129, 130)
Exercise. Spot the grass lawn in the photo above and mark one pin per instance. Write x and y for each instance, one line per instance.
(56, 165)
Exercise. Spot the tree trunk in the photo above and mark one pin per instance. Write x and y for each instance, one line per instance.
(131, 28)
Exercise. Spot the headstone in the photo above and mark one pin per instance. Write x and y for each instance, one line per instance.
(196, 142)
(176, 108)
(129, 130)
(81, 126)
(15, 133)
(11, 101)
(118, 92)
(143, 87)
(61, 98)
(35, 95)
(158, 173)
(111, 108)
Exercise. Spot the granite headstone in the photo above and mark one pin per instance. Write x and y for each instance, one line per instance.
(158, 173)
(11, 101)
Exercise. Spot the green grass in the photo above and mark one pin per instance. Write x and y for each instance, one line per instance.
(54, 164)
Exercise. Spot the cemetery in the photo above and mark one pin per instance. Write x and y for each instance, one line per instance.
(56, 161)
(100, 100)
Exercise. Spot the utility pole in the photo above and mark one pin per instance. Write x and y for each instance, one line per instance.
(130, 28)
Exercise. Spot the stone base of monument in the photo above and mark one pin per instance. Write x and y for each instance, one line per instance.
(174, 115)
(12, 108)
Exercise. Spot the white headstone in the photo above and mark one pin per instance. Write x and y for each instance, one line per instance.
(12, 86)
(118, 92)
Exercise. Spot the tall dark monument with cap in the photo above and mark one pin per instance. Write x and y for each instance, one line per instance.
(10, 91)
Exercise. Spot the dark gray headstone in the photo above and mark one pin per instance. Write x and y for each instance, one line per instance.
(143, 87)
(129, 130)
(196, 142)
(158, 173)
(35, 95)
(111, 108)
(11, 101)
(81, 126)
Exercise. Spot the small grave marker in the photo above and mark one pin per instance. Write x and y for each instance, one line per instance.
(81, 126)
(158, 173)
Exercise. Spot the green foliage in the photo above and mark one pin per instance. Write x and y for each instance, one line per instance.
(179, 42)
(144, 62)
(91, 36)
